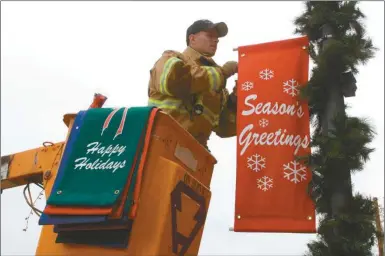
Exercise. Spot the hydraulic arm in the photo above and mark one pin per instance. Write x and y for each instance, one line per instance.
(30, 166)
(35, 165)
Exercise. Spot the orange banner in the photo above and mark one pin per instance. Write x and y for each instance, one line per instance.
(273, 128)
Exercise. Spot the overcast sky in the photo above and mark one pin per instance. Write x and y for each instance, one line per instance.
(56, 55)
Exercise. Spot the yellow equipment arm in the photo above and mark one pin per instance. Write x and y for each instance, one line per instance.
(35, 165)
(31, 166)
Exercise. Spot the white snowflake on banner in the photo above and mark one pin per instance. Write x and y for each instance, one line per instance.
(294, 172)
(256, 162)
(265, 183)
(247, 86)
(263, 122)
(266, 74)
(291, 87)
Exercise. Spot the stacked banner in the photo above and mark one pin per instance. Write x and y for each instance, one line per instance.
(273, 129)
(94, 197)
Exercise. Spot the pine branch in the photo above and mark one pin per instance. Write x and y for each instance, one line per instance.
(346, 147)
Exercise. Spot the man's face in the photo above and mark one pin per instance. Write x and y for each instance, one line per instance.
(205, 42)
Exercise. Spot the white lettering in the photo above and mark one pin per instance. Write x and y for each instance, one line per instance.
(300, 112)
(269, 137)
(83, 163)
(270, 108)
(247, 137)
(109, 151)
(93, 149)
(251, 111)
(247, 140)
(96, 147)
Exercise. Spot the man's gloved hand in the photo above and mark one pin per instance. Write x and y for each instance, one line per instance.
(235, 88)
(232, 103)
(230, 68)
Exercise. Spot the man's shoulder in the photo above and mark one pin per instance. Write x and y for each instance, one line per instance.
(168, 54)
(171, 53)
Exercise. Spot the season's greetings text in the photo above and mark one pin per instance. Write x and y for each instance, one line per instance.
(280, 137)
(96, 148)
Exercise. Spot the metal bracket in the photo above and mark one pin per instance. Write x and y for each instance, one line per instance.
(5, 162)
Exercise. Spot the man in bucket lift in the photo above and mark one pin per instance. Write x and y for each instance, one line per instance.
(191, 87)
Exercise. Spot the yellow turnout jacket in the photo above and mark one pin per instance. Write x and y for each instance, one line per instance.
(180, 80)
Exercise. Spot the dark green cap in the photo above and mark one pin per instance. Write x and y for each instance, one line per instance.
(202, 25)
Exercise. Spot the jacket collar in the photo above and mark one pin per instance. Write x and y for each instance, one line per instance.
(197, 56)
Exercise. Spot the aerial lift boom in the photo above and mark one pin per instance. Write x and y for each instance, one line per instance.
(35, 165)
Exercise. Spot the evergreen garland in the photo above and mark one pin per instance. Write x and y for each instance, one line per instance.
(346, 147)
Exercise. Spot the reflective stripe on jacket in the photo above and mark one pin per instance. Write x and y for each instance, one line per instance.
(180, 80)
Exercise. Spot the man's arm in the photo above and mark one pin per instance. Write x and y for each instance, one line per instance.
(206, 78)
(227, 126)
(175, 76)
(214, 76)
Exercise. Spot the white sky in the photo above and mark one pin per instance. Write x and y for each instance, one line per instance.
(56, 55)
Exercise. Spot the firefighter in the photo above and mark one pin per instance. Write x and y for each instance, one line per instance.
(191, 87)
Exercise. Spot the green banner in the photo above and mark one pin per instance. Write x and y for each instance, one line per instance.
(101, 157)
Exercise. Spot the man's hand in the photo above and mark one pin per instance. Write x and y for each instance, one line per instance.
(230, 68)
(235, 88)
(232, 102)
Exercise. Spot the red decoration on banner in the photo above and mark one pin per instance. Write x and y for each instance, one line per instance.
(273, 127)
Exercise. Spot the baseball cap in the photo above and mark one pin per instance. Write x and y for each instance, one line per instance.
(202, 25)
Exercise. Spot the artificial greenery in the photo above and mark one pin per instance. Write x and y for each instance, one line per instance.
(344, 149)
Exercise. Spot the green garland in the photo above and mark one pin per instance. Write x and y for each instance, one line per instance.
(346, 147)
